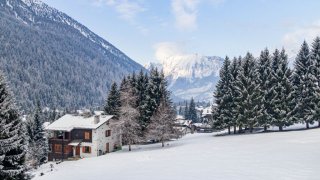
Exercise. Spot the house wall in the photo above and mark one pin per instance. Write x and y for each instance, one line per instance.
(99, 141)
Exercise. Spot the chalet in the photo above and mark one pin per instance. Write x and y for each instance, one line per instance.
(76, 136)
(182, 125)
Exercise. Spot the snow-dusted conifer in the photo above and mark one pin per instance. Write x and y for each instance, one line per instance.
(12, 137)
(304, 87)
(315, 58)
(113, 104)
(249, 93)
(192, 112)
(223, 98)
(186, 111)
(281, 91)
(234, 70)
(263, 79)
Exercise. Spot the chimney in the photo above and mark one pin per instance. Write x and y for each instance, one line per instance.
(96, 119)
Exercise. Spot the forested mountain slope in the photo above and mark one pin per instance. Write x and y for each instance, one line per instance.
(48, 55)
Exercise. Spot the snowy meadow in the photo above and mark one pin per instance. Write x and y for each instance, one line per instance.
(274, 155)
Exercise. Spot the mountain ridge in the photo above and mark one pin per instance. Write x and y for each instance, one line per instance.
(191, 75)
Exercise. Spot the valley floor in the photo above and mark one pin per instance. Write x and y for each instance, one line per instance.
(280, 155)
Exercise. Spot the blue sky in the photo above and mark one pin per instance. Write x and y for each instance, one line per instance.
(151, 30)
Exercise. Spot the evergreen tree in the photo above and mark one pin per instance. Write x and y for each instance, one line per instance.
(315, 58)
(249, 94)
(264, 78)
(113, 103)
(223, 98)
(281, 91)
(38, 143)
(186, 111)
(192, 112)
(12, 137)
(234, 70)
(304, 87)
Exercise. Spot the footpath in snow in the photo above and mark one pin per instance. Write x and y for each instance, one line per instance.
(280, 155)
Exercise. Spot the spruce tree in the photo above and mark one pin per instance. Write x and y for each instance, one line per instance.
(234, 70)
(113, 103)
(12, 137)
(192, 112)
(249, 94)
(39, 137)
(263, 79)
(281, 91)
(315, 58)
(304, 87)
(186, 111)
(223, 98)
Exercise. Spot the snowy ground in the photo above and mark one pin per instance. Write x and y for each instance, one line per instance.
(278, 155)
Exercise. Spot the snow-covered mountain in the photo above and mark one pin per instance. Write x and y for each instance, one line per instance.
(48, 55)
(191, 75)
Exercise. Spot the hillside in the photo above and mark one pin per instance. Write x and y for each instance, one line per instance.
(46, 54)
(282, 155)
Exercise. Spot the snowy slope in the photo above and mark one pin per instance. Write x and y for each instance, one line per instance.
(282, 156)
(191, 75)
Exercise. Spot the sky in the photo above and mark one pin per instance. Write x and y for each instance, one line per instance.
(152, 30)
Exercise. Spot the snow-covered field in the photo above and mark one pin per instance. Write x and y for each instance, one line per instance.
(278, 155)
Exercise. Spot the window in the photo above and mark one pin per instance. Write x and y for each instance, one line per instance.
(87, 135)
(108, 133)
(50, 147)
(57, 148)
(86, 149)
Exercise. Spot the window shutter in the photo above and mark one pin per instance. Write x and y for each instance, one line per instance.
(83, 149)
(89, 149)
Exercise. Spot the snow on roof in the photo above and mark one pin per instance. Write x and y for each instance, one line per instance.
(69, 122)
(179, 117)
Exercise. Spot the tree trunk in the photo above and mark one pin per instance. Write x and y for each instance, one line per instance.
(307, 124)
(265, 128)
(229, 132)
(251, 128)
(129, 147)
(240, 129)
(318, 123)
(280, 128)
(234, 129)
(162, 143)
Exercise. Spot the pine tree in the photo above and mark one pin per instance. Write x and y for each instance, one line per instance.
(192, 112)
(264, 78)
(249, 94)
(12, 137)
(161, 127)
(113, 103)
(281, 91)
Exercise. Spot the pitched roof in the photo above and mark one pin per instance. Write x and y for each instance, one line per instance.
(69, 122)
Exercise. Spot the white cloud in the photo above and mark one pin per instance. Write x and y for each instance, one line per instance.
(185, 12)
(165, 50)
(127, 9)
(293, 40)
